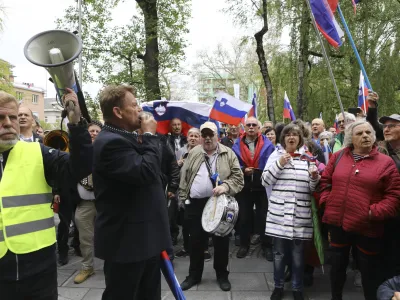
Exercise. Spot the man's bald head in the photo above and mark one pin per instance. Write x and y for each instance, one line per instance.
(317, 126)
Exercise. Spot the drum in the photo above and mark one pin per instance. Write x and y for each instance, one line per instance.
(219, 218)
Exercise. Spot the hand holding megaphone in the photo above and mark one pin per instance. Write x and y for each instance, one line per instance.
(70, 100)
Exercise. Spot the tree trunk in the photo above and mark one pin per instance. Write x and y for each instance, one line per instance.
(302, 110)
(150, 58)
(262, 62)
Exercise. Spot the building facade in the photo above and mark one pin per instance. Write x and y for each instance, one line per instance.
(52, 112)
(31, 97)
(210, 84)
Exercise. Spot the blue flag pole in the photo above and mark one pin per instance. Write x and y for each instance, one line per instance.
(353, 45)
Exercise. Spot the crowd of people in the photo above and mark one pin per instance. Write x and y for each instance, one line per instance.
(129, 191)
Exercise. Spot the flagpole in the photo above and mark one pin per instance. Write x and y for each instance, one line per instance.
(353, 45)
(326, 59)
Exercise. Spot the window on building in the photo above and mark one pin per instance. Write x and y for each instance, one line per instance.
(19, 95)
(35, 99)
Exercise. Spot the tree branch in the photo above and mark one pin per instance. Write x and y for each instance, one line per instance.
(330, 54)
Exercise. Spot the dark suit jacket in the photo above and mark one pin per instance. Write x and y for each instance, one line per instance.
(132, 218)
(38, 137)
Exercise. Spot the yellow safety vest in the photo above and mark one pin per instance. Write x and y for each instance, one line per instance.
(26, 218)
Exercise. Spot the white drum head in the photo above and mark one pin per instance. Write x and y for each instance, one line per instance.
(209, 221)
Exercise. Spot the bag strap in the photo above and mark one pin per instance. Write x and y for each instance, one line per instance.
(338, 159)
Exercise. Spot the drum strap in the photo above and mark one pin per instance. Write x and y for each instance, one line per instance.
(209, 169)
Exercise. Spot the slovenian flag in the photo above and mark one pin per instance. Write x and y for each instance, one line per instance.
(326, 22)
(336, 124)
(228, 109)
(253, 110)
(363, 94)
(191, 114)
(288, 112)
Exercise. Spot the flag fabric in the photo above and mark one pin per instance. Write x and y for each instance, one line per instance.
(326, 22)
(241, 125)
(333, 4)
(288, 112)
(253, 110)
(363, 94)
(191, 114)
(327, 151)
(228, 109)
(168, 271)
(336, 124)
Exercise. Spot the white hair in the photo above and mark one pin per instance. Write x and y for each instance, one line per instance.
(348, 135)
(326, 134)
(348, 117)
(194, 130)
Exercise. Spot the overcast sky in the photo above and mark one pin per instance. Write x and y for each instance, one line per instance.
(25, 18)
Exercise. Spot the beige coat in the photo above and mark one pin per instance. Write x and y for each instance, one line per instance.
(228, 169)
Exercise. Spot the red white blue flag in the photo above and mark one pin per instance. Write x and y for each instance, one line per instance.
(253, 110)
(288, 112)
(326, 22)
(363, 94)
(228, 109)
(191, 114)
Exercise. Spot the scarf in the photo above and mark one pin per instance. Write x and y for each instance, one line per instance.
(246, 154)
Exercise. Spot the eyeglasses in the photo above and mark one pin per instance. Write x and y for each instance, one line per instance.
(206, 135)
(390, 126)
(341, 122)
(252, 125)
(291, 134)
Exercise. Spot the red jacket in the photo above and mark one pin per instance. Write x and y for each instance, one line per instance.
(375, 187)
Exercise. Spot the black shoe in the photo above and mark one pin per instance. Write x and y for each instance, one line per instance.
(242, 252)
(224, 284)
(63, 259)
(277, 294)
(297, 295)
(182, 253)
(288, 274)
(207, 256)
(237, 240)
(188, 283)
(269, 255)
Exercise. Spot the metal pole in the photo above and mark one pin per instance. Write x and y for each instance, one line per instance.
(80, 35)
(353, 45)
(326, 59)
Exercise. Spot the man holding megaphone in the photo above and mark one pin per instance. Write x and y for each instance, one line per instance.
(28, 171)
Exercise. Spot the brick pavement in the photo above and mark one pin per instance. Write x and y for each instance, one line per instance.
(251, 279)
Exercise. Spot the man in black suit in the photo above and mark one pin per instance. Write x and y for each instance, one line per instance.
(131, 228)
(26, 122)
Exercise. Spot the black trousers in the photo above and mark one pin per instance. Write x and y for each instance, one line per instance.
(42, 286)
(198, 243)
(173, 216)
(246, 200)
(133, 281)
(368, 260)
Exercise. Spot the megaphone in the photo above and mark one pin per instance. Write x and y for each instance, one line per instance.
(55, 50)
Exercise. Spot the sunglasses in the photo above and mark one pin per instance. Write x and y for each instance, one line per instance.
(252, 125)
(206, 135)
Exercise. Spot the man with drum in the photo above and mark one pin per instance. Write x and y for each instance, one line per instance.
(205, 162)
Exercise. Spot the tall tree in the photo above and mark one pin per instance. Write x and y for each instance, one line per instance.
(152, 42)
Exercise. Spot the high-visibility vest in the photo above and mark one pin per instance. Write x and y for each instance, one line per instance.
(26, 217)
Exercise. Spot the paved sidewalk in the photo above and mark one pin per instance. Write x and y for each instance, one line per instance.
(251, 279)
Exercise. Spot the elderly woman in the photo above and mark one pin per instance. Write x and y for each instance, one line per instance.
(289, 212)
(325, 135)
(361, 189)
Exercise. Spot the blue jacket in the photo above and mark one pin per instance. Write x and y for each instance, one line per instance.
(388, 288)
(254, 182)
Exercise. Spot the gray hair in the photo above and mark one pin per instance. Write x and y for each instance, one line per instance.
(348, 135)
(348, 117)
(325, 134)
(194, 130)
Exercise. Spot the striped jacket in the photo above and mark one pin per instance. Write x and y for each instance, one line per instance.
(289, 205)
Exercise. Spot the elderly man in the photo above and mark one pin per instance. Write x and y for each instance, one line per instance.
(197, 185)
(233, 135)
(27, 232)
(342, 123)
(27, 123)
(317, 126)
(253, 150)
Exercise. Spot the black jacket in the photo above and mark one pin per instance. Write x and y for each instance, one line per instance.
(169, 167)
(171, 141)
(227, 141)
(132, 218)
(59, 167)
